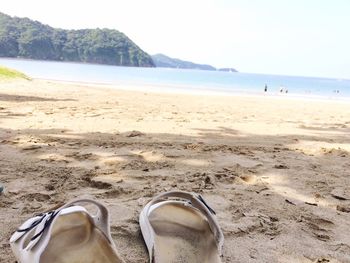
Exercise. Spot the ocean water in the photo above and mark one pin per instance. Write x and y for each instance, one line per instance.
(194, 81)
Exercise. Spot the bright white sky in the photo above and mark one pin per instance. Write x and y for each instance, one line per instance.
(291, 37)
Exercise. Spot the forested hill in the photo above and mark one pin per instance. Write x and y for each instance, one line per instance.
(25, 38)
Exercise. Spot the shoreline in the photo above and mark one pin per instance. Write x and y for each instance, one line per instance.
(187, 90)
(187, 81)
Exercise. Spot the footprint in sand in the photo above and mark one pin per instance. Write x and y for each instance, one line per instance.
(318, 227)
(281, 166)
(134, 134)
(341, 193)
(83, 156)
(342, 208)
(31, 147)
(39, 197)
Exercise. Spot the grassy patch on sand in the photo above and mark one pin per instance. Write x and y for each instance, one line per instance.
(6, 73)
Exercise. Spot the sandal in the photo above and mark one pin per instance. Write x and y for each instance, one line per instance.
(181, 230)
(69, 234)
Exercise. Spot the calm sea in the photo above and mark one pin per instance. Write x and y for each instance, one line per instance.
(197, 81)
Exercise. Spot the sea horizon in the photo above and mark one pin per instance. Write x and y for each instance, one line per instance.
(192, 69)
(186, 80)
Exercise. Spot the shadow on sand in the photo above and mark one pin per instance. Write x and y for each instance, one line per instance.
(268, 192)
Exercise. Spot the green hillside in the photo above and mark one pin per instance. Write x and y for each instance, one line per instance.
(25, 38)
(6, 73)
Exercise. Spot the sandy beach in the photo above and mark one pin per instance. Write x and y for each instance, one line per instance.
(276, 171)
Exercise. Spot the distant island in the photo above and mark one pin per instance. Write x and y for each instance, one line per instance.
(163, 61)
(228, 69)
(25, 38)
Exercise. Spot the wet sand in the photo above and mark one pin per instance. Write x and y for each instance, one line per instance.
(275, 170)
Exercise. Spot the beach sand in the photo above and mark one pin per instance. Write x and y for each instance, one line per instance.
(275, 170)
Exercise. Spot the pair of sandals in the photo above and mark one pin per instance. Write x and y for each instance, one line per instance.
(176, 226)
